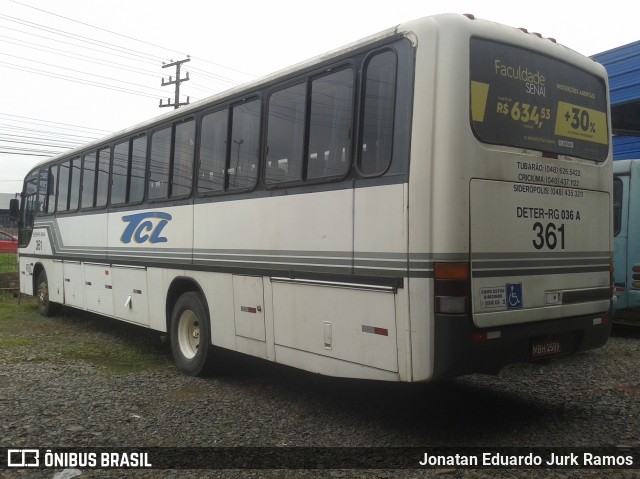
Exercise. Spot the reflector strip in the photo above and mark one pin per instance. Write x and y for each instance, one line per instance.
(599, 321)
(374, 330)
(481, 337)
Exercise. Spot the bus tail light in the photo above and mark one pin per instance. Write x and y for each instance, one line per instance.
(451, 288)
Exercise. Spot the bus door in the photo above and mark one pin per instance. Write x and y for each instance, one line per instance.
(248, 302)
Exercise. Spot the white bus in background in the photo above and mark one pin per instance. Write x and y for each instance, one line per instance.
(431, 201)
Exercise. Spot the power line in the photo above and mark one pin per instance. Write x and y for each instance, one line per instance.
(7, 150)
(98, 28)
(82, 72)
(203, 73)
(31, 143)
(75, 56)
(8, 137)
(43, 137)
(76, 37)
(106, 48)
(83, 46)
(130, 38)
(77, 80)
(22, 119)
(22, 129)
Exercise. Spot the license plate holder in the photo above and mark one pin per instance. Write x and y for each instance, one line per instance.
(546, 347)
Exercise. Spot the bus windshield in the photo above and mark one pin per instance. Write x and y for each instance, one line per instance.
(527, 100)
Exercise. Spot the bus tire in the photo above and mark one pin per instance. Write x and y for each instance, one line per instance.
(190, 335)
(46, 308)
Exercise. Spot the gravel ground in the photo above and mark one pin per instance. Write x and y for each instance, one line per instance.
(50, 400)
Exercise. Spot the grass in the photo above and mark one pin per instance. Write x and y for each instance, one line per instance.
(113, 347)
(8, 263)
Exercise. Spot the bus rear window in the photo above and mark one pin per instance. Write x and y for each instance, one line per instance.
(527, 100)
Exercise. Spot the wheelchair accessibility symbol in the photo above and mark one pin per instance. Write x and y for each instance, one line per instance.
(514, 295)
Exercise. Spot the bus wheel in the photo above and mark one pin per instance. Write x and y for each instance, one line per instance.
(45, 307)
(190, 335)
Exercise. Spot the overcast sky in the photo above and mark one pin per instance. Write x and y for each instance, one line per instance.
(72, 70)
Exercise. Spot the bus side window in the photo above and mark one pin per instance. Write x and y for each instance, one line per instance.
(52, 191)
(119, 173)
(128, 171)
(88, 179)
(102, 182)
(285, 134)
(43, 185)
(159, 164)
(213, 151)
(137, 169)
(171, 162)
(377, 115)
(245, 140)
(330, 125)
(183, 157)
(63, 187)
(74, 192)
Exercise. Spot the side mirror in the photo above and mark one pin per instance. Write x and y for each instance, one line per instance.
(14, 209)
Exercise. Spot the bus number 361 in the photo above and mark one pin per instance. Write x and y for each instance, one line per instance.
(549, 235)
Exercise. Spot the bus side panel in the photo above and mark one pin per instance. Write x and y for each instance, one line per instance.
(83, 236)
(218, 291)
(130, 294)
(74, 284)
(422, 328)
(99, 288)
(269, 233)
(380, 227)
(56, 281)
(249, 315)
(248, 301)
(347, 324)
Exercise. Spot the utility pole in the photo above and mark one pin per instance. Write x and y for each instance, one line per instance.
(176, 103)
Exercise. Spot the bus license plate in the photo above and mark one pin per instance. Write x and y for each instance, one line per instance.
(547, 347)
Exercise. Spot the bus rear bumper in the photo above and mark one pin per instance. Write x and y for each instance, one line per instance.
(462, 348)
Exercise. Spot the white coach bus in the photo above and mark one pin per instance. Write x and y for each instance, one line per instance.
(434, 200)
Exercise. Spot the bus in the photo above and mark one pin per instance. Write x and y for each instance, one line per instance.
(626, 231)
(429, 202)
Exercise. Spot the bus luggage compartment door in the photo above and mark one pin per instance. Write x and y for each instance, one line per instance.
(248, 300)
(538, 252)
(130, 294)
(323, 324)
